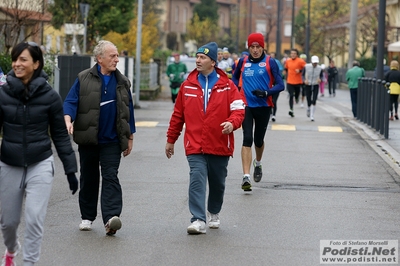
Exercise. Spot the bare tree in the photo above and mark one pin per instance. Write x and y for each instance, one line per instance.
(271, 19)
(23, 19)
(367, 31)
(335, 43)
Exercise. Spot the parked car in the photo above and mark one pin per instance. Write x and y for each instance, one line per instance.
(190, 63)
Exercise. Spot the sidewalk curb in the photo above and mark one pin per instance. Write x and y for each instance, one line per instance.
(377, 143)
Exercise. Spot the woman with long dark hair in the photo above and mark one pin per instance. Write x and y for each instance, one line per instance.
(31, 117)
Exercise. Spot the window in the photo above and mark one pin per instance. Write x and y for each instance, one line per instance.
(261, 27)
(185, 15)
(288, 29)
(177, 14)
(222, 20)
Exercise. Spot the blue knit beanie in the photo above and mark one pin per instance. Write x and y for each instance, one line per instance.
(210, 49)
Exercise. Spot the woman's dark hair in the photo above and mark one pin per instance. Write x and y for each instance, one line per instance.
(34, 50)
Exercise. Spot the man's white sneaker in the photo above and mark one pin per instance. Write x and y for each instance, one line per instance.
(197, 227)
(213, 220)
(85, 225)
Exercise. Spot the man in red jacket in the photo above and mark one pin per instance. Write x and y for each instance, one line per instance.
(211, 107)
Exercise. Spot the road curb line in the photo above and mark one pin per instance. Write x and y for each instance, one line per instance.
(376, 142)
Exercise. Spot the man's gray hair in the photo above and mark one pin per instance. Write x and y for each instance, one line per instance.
(99, 49)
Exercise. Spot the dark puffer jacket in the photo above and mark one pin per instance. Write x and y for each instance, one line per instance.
(29, 120)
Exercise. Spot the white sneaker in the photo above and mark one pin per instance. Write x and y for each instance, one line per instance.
(213, 220)
(273, 118)
(302, 105)
(85, 225)
(312, 119)
(197, 227)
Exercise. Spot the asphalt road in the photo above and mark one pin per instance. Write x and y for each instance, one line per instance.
(322, 181)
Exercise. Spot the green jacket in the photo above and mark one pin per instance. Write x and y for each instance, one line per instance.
(352, 76)
(176, 69)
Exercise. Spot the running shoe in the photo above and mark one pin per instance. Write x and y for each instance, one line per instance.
(113, 225)
(197, 227)
(213, 220)
(8, 258)
(257, 175)
(85, 225)
(246, 185)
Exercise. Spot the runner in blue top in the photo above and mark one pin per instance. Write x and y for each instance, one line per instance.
(258, 79)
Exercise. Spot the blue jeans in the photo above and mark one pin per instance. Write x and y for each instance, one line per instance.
(92, 158)
(205, 167)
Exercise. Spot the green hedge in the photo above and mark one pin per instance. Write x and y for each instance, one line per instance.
(5, 64)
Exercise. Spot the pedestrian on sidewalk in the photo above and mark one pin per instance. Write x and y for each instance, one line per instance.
(352, 76)
(276, 95)
(211, 108)
(176, 72)
(332, 76)
(393, 76)
(98, 111)
(323, 80)
(259, 79)
(312, 78)
(31, 118)
(293, 71)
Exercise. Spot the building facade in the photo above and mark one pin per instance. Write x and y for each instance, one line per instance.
(367, 32)
(238, 18)
(22, 20)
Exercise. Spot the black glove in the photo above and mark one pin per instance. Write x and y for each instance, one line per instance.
(73, 182)
(260, 93)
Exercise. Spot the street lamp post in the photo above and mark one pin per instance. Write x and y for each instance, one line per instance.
(138, 53)
(278, 31)
(292, 29)
(84, 12)
(238, 23)
(307, 48)
(251, 16)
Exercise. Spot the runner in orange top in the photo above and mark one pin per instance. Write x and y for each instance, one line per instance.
(293, 68)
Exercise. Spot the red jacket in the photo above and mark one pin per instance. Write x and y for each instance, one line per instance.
(203, 133)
